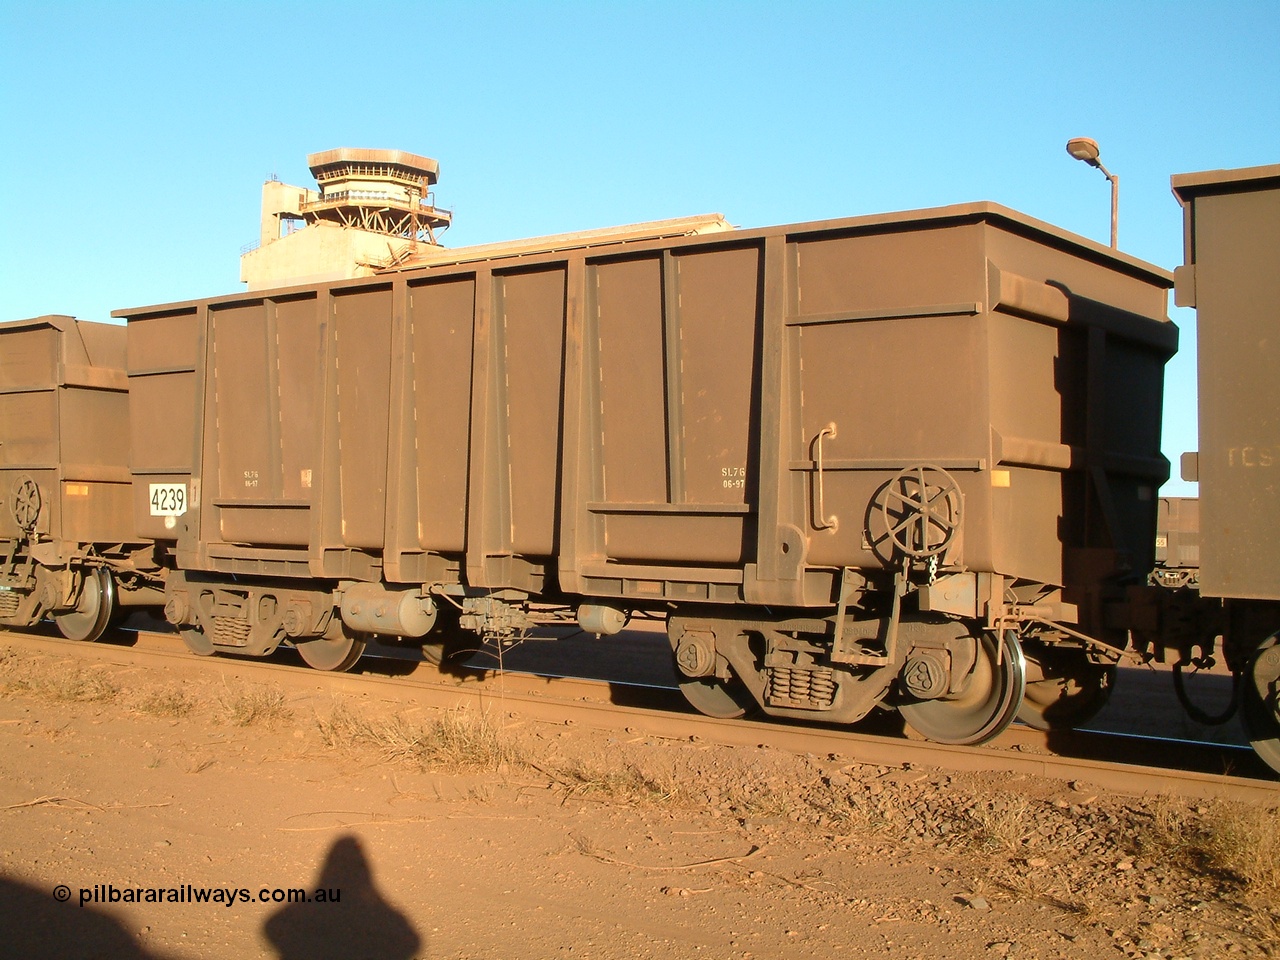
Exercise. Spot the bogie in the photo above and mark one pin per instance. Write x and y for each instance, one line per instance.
(952, 682)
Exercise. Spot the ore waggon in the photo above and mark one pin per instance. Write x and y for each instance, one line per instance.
(68, 546)
(901, 460)
(906, 461)
(1219, 581)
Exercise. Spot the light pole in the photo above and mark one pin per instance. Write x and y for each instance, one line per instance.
(1082, 148)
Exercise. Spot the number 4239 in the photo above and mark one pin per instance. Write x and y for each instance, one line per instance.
(168, 499)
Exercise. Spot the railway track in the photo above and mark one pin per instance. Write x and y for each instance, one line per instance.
(1126, 764)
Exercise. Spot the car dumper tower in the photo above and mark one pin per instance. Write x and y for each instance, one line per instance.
(373, 210)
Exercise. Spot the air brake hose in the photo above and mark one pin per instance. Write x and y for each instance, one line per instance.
(1194, 712)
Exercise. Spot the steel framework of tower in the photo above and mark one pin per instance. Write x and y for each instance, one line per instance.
(382, 191)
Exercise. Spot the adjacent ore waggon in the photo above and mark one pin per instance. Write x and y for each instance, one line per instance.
(1219, 581)
(68, 545)
(906, 461)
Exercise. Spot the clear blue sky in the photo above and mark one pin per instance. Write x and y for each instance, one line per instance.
(136, 135)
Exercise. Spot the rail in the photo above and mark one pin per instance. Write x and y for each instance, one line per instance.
(661, 712)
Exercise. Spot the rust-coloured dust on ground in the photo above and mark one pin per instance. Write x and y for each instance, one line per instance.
(543, 841)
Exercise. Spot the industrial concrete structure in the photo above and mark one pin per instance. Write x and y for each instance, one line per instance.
(373, 210)
(374, 213)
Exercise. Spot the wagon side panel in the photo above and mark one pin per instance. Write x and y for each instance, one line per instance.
(432, 428)
(261, 387)
(671, 346)
(889, 372)
(1232, 278)
(163, 402)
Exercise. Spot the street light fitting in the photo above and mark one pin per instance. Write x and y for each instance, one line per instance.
(1083, 148)
(1086, 149)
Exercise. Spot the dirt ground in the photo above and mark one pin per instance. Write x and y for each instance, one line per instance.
(460, 836)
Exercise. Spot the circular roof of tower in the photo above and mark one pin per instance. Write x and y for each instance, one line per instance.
(330, 162)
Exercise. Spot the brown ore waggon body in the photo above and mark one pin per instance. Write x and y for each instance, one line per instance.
(1227, 590)
(907, 460)
(68, 547)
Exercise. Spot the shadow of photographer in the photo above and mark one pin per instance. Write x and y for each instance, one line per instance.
(346, 917)
(39, 927)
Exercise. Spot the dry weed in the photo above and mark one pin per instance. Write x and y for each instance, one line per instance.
(1002, 822)
(340, 728)
(1244, 840)
(768, 804)
(1051, 887)
(169, 701)
(246, 705)
(616, 780)
(1173, 832)
(458, 739)
(1237, 839)
(55, 680)
(76, 685)
(853, 815)
(469, 739)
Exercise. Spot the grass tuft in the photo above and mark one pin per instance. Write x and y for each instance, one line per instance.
(459, 739)
(1238, 840)
(167, 701)
(1244, 840)
(620, 780)
(1002, 822)
(247, 705)
(76, 685)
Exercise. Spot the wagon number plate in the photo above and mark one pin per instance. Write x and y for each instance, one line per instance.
(168, 499)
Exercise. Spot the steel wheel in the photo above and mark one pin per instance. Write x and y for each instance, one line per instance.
(446, 651)
(987, 703)
(93, 610)
(1064, 687)
(1260, 703)
(197, 642)
(448, 643)
(336, 654)
(722, 699)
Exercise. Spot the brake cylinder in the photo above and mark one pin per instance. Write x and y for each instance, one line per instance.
(372, 608)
